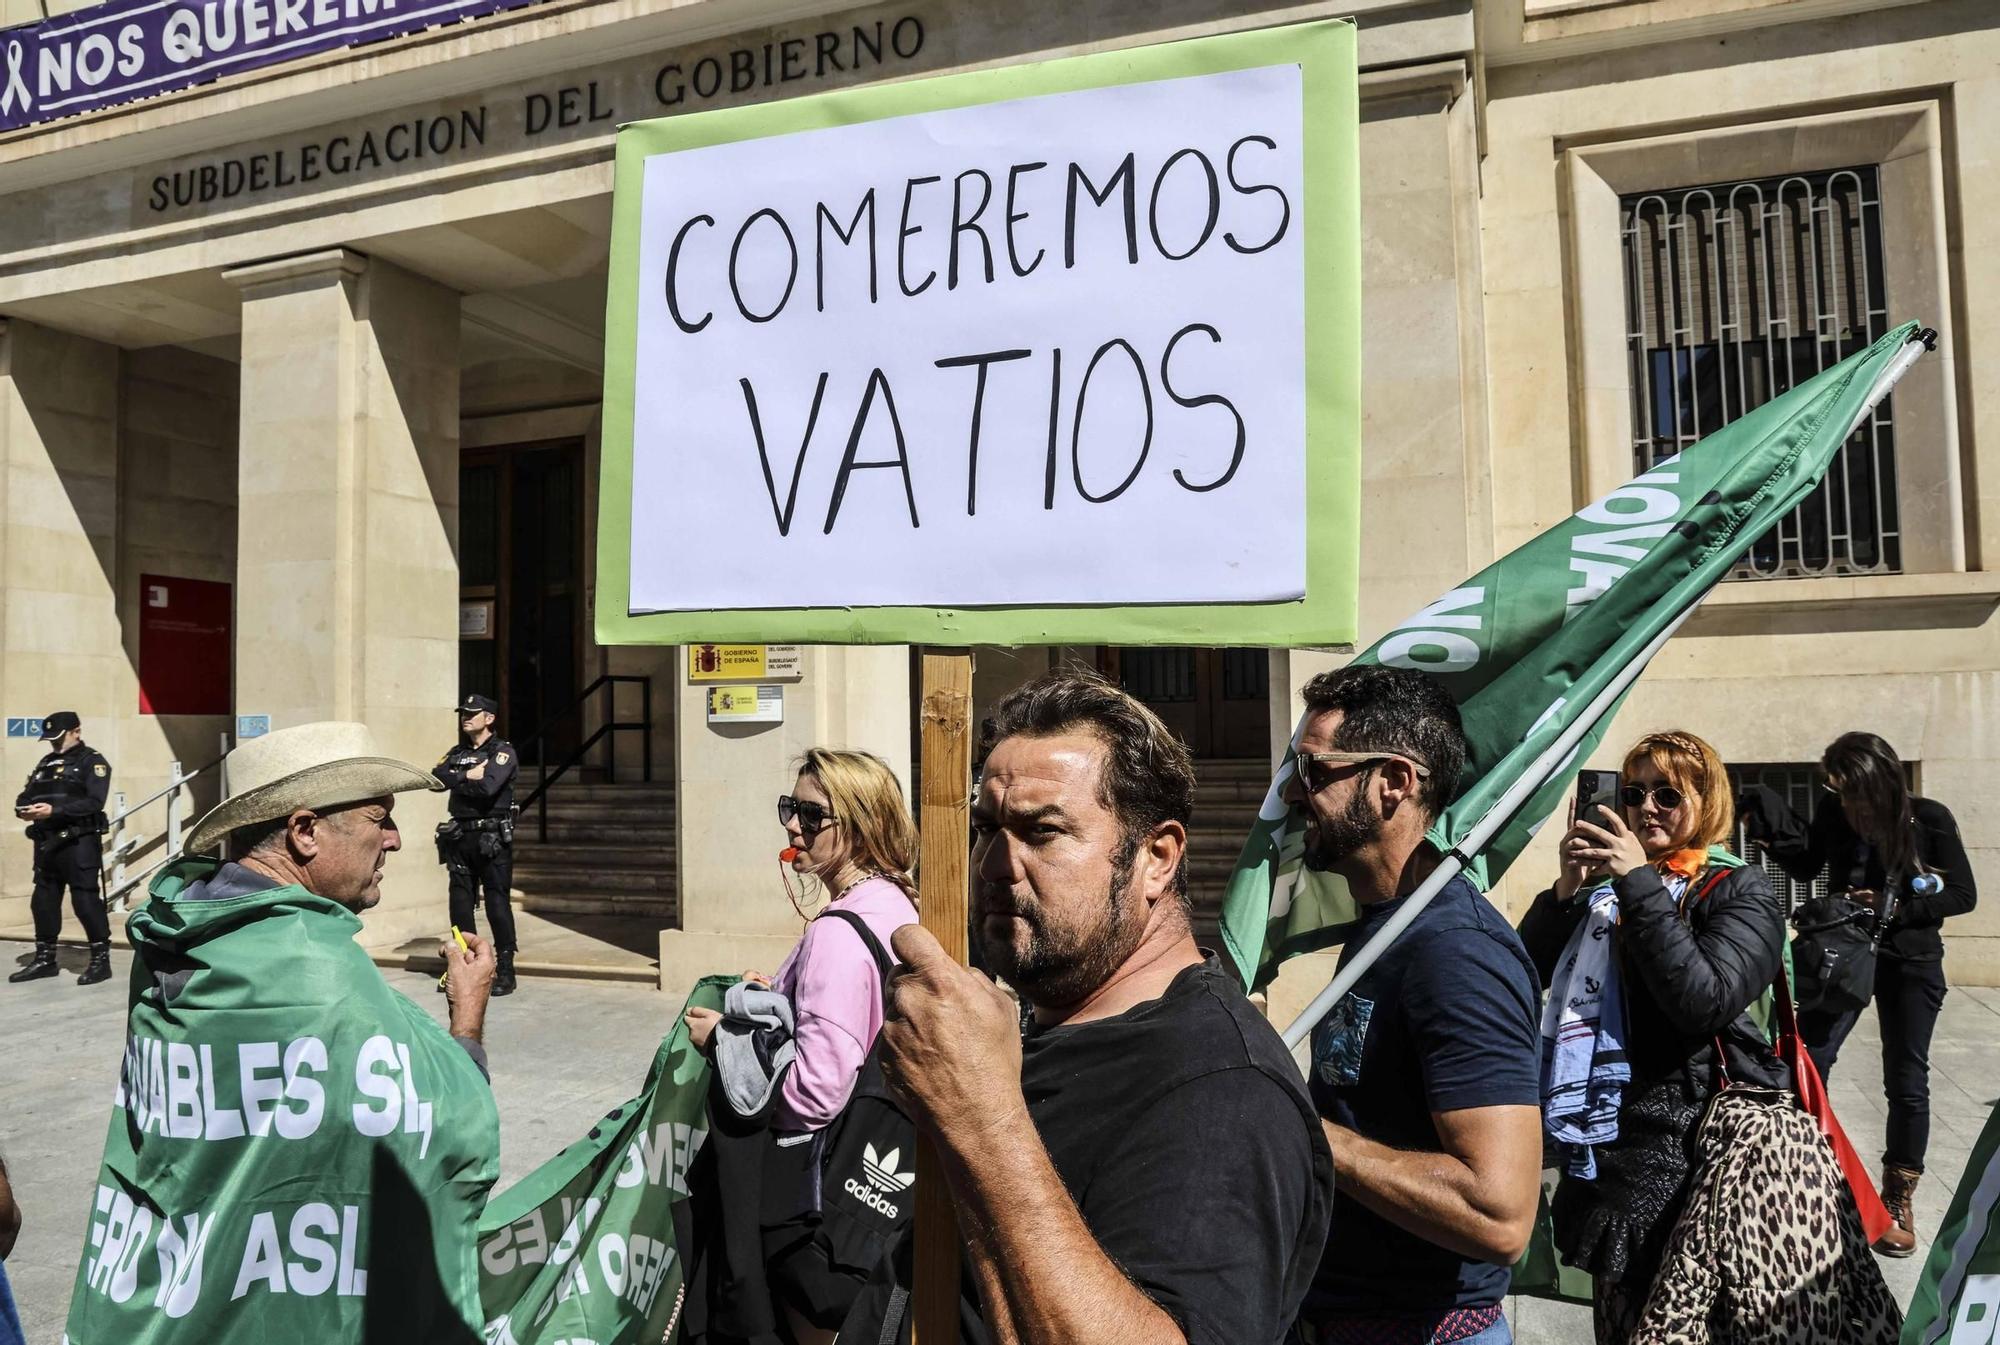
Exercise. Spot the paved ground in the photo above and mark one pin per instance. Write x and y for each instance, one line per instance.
(566, 1052)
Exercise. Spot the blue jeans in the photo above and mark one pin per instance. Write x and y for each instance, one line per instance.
(10, 1324)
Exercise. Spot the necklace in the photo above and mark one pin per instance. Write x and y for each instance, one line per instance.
(850, 887)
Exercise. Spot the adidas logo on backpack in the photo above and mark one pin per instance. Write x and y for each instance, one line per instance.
(883, 1181)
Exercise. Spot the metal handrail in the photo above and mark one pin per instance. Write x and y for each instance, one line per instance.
(116, 882)
(606, 732)
(164, 790)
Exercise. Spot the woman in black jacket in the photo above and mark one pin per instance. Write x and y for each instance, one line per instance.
(1699, 938)
(1872, 838)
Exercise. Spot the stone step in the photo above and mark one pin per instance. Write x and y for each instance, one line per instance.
(592, 833)
(637, 810)
(590, 878)
(1224, 817)
(647, 854)
(565, 790)
(664, 909)
(1247, 787)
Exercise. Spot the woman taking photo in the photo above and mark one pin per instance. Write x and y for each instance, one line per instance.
(1881, 847)
(853, 842)
(1698, 937)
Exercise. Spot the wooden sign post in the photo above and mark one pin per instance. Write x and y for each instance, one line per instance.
(943, 819)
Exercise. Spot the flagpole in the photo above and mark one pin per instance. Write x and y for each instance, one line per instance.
(1552, 758)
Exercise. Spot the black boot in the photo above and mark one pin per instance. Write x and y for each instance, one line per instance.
(43, 965)
(503, 980)
(100, 965)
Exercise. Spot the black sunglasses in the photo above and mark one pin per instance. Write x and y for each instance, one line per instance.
(1308, 765)
(1666, 796)
(812, 816)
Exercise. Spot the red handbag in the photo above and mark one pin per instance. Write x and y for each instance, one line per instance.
(1875, 1217)
(1811, 1089)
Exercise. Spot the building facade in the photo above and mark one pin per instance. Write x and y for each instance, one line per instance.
(329, 332)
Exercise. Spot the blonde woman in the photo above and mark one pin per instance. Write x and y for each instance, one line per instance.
(1698, 939)
(852, 838)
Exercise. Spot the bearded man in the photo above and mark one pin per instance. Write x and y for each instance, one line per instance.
(1139, 1161)
(1428, 1072)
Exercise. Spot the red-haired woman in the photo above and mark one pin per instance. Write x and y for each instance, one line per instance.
(1699, 937)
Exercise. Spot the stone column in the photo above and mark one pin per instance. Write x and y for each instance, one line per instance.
(59, 636)
(734, 915)
(347, 532)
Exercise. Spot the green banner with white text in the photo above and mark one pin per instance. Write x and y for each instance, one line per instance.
(1528, 643)
(296, 1151)
(1958, 1299)
(582, 1248)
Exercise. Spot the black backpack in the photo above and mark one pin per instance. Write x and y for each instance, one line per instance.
(870, 1166)
(1833, 955)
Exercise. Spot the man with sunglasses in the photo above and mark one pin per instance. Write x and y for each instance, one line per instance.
(1428, 1072)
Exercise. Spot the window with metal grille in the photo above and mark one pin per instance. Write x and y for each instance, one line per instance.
(1801, 785)
(1737, 292)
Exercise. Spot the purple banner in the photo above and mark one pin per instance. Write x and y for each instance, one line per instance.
(125, 50)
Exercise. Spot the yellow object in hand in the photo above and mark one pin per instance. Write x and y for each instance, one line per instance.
(458, 939)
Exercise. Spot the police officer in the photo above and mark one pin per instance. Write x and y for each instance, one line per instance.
(476, 845)
(63, 805)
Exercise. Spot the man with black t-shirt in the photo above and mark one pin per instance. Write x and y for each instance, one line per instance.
(1142, 1163)
(1428, 1071)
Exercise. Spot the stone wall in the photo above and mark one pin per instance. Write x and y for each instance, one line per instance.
(118, 464)
(1772, 671)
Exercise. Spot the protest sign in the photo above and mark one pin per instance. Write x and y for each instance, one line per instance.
(1060, 352)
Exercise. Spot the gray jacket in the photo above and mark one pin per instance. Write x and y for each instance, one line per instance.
(753, 1046)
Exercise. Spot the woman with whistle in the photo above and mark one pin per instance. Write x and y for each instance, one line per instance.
(851, 838)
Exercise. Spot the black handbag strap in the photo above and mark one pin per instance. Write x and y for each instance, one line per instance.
(883, 962)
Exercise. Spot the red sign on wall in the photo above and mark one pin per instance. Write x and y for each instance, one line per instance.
(184, 646)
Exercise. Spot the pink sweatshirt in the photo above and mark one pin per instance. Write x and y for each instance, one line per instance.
(836, 996)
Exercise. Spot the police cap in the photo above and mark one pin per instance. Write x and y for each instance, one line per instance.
(472, 705)
(59, 723)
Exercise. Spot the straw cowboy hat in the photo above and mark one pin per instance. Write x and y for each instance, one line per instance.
(312, 766)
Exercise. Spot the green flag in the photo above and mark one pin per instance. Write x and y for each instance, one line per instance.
(1538, 648)
(582, 1249)
(296, 1151)
(1958, 1298)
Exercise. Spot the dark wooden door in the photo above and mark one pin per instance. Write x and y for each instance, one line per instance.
(520, 550)
(1217, 700)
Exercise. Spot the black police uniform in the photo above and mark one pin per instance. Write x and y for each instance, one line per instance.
(477, 844)
(69, 847)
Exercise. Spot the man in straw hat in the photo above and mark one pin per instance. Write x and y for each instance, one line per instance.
(296, 1150)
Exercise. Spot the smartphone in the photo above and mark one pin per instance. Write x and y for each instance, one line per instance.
(1595, 789)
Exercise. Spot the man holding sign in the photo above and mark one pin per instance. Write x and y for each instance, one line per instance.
(1145, 1165)
(296, 1151)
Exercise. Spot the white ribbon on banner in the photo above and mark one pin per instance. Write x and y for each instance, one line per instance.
(16, 87)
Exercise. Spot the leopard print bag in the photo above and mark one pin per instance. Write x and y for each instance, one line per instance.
(1769, 1249)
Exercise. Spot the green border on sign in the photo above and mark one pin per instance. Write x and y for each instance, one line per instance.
(1331, 215)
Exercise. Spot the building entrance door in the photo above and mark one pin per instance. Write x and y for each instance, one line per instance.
(1217, 700)
(520, 562)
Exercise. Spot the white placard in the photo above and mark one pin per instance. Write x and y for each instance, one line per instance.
(1062, 503)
